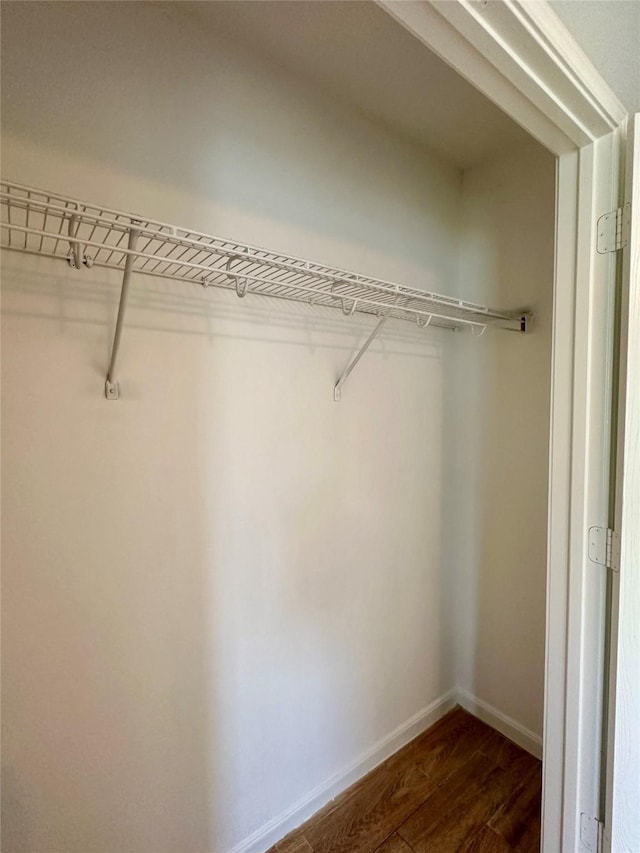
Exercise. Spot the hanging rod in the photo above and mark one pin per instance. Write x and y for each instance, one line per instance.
(39, 222)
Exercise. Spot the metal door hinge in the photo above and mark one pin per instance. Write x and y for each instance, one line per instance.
(604, 547)
(590, 832)
(614, 230)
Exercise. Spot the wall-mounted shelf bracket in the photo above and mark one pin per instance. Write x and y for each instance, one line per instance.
(337, 391)
(77, 256)
(111, 388)
(41, 223)
(526, 321)
(521, 323)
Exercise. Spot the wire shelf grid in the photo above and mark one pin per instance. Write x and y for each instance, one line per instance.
(44, 223)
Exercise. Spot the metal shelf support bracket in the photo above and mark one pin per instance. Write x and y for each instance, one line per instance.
(77, 255)
(337, 391)
(521, 323)
(111, 388)
(37, 221)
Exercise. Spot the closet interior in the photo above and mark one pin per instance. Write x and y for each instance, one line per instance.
(227, 596)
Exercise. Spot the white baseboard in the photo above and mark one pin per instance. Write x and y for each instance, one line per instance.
(273, 831)
(282, 824)
(507, 726)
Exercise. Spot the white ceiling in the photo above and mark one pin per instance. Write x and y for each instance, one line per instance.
(356, 53)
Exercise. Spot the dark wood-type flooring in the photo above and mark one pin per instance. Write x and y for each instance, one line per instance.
(458, 788)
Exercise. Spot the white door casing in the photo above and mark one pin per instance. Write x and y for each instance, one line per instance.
(622, 825)
(519, 55)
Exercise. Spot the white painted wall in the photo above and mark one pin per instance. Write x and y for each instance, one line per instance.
(498, 389)
(609, 33)
(223, 590)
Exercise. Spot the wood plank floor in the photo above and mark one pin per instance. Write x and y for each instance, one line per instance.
(458, 788)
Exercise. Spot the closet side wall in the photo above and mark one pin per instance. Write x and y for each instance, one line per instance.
(223, 591)
(498, 442)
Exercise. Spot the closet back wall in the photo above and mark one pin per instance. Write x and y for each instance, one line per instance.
(223, 589)
(497, 443)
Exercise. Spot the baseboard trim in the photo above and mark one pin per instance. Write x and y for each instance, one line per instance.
(273, 831)
(507, 726)
(278, 827)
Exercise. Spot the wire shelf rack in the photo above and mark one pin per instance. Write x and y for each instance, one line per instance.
(43, 223)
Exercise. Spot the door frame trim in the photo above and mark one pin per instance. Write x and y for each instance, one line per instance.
(520, 55)
(621, 830)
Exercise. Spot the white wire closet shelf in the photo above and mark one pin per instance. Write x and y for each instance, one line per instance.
(39, 222)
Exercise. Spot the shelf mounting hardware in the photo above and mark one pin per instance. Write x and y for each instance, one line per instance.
(77, 255)
(478, 331)
(337, 390)
(39, 222)
(111, 389)
(614, 230)
(241, 284)
(422, 324)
